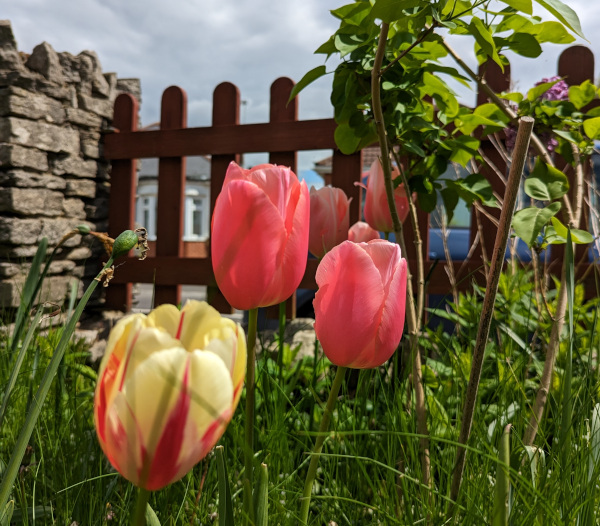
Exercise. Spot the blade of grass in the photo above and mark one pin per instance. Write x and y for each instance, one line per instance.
(30, 288)
(502, 486)
(35, 407)
(14, 373)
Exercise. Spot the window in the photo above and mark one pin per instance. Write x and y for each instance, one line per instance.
(146, 214)
(196, 218)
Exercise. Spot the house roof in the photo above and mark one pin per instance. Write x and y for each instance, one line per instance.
(196, 168)
(370, 153)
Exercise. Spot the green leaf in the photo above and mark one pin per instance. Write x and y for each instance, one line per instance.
(261, 503)
(546, 183)
(472, 188)
(526, 6)
(225, 505)
(391, 10)
(450, 198)
(553, 32)
(150, 516)
(308, 78)
(353, 13)
(580, 237)
(567, 136)
(591, 127)
(485, 40)
(563, 13)
(7, 513)
(524, 44)
(502, 486)
(463, 147)
(347, 41)
(537, 91)
(528, 223)
(582, 95)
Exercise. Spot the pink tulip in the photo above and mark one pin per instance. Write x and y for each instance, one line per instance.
(329, 219)
(360, 304)
(167, 387)
(377, 212)
(259, 238)
(361, 232)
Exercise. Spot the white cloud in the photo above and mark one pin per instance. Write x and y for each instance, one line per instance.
(197, 44)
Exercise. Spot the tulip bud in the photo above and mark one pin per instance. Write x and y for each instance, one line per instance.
(259, 235)
(329, 219)
(125, 241)
(360, 304)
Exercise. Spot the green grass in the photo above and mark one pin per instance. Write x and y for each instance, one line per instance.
(369, 470)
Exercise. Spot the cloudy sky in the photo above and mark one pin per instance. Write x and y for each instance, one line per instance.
(197, 44)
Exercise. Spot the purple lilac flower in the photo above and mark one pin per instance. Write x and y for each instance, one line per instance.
(560, 90)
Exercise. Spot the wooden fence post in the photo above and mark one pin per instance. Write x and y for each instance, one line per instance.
(171, 194)
(121, 214)
(226, 111)
(575, 65)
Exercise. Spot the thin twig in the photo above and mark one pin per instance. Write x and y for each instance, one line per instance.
(411, 315)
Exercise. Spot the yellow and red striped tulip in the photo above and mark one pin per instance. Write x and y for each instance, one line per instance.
(167, 387)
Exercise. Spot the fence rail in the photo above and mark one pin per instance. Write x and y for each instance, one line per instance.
(282, 137)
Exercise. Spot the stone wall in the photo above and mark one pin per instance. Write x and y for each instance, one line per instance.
(54, 109)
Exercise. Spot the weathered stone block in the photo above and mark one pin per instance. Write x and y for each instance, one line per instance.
(44, 60)
(74, 207)
(55, 229)
(23, 179)
(102, 107)
(9, 53)
(93, 70)
(18, 102)
(12, 155)
(31, 201)
(79, 253)
(54, 290)
(8, 270)
(18, 231)
(90, 146)
(98, 209)
(81, 187)
(35, 134)
(75, 165)
(83, 118)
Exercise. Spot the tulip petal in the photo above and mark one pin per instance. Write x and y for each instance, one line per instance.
(246, 244)
(350, 295)
(164, 410)
(166, 316)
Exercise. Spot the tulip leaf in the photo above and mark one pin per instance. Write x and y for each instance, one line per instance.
(261, 502)
(151, 518)
(528, 223)
(7, 513)
(225, 506)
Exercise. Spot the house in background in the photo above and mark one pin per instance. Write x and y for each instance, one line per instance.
(197, 199)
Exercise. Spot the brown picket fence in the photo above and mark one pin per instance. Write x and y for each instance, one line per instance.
(173, 263)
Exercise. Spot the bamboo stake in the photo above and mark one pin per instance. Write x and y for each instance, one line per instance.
(510, 198)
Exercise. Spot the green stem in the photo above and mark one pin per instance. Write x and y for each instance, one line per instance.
(139, 515)
(12, 469)
(249, 424)
(323, 428)
(282, 320)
